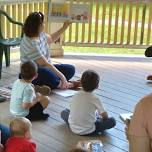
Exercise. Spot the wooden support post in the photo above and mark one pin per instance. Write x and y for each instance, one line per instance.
(56, 48)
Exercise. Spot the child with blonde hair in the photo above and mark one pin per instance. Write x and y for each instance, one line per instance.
(21, 133)
(4, 135)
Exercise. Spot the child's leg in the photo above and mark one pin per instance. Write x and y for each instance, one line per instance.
(44, 100)
(36, 113)
(65, 115)
(103, 124)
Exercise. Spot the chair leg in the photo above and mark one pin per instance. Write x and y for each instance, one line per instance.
(7, 56)
(1, 60)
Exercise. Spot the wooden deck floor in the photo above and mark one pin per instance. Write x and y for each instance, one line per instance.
(122, 85)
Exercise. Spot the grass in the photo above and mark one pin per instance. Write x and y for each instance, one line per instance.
(115, 51)
(122, 51)
(100, 50)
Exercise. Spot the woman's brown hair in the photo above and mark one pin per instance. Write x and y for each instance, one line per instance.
(32, 24)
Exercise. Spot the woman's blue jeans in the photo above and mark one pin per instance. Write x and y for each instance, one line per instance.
(49, 78)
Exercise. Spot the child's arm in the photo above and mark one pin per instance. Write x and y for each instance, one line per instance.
(1, 148)
(104, 115)
(100, 108)
(27, 105)
(30, 98)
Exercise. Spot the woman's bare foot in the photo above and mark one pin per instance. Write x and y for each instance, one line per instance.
(74, 84)
(70, 85)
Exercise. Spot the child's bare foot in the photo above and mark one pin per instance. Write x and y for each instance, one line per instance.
(149, 77)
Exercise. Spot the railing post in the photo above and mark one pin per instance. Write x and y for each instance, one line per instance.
(143, 23)
(129, 22)
(149, 25)
(123, 22)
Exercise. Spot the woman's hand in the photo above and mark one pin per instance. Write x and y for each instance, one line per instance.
(64, 83)
(56, 35)
(66, 24)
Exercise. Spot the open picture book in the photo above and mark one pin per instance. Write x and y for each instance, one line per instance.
(64, 93)
(61, 11)
(125, 116)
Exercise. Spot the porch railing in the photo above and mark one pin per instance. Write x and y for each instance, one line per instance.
(113, 23)
(19, 10)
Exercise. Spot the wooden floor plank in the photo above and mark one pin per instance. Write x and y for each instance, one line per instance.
(122, 85)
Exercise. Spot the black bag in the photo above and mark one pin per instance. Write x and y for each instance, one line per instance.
(2, 99)
(148, 52)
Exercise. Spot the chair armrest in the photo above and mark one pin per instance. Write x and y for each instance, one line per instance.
(11, 20)
(18, 23)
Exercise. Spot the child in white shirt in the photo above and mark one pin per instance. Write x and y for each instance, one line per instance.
(24, 101)
(87, 116)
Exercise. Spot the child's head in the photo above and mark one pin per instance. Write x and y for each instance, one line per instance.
(21, 127)
(28, 70)
(89, 80)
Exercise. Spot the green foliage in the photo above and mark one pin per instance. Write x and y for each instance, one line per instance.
(104, 50)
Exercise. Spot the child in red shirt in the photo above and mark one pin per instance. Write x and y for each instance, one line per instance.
(21, 135)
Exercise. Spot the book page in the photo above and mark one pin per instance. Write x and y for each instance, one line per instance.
(64, 93)
(125, 116)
